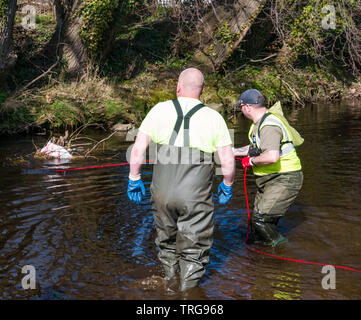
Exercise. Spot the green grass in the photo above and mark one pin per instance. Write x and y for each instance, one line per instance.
(61, 114)
(45, 20)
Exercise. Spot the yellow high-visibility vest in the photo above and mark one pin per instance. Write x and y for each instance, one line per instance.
(288, 161)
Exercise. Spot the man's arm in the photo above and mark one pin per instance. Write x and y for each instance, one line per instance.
(241, 151)
(270, 137)
(267, 157)
(226, 157)
(137, 155)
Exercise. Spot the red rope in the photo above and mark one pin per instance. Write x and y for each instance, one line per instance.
(245, 191)
(301, 261)
(248, 214)
(95, 167)
(274, 256)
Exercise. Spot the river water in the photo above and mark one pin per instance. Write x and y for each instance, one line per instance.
(87, 241)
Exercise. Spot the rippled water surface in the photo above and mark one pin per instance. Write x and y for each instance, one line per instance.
(87, 241)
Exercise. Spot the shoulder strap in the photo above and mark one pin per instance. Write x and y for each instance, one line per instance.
(178, 122)
(284, 131)
(262, 120)
(186, 122)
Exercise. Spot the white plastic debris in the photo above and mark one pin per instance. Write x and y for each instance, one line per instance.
(54, 151)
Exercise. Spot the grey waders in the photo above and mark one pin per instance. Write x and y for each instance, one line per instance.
(276, 193)
(182, 206)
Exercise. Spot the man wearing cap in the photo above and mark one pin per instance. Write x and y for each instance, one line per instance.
(275, 163)
(186, 134)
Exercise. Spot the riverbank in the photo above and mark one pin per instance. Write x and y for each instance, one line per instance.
(144, 59)
(60, 105)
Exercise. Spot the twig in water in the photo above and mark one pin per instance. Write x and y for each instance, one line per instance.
(101, 141)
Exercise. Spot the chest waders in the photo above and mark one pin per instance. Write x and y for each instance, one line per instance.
(277, 185)
(182, 205)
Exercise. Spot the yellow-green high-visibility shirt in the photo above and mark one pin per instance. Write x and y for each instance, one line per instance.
(207, 128)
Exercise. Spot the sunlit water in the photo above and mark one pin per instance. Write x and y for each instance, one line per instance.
(87, 241)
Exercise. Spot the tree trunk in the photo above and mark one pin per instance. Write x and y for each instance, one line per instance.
(221, 30)
(69, 42)
(7, 55)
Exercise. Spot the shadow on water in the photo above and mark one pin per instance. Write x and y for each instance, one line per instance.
(87, 241)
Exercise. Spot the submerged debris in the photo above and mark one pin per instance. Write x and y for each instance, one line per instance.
(71, 146)
(53, 150)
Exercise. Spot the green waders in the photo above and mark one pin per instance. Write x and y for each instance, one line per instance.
(183, 209)
(276, 193)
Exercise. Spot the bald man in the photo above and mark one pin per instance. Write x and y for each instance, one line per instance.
(186, 134)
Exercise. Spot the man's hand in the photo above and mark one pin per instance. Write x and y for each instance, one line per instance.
(135, 190)
(135, 185)
(247, 162)
(224, 193)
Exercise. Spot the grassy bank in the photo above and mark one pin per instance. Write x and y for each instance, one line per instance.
(60, 105)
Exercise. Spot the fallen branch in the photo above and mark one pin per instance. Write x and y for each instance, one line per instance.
(80, 145)
(38, 78)
(17, 92)
(75, 135)
(96, 145)
(264, 59)
(64, 147)
(293, 92)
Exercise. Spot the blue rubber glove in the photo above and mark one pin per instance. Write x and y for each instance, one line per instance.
(135, 190)
(224, 193)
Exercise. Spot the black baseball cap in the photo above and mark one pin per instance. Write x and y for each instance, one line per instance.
(251, 96)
